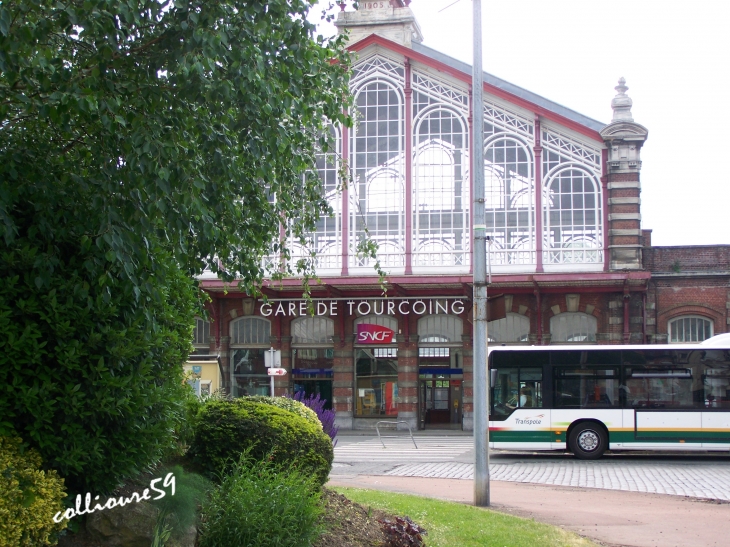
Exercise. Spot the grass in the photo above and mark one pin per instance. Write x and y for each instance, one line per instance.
(450, 524)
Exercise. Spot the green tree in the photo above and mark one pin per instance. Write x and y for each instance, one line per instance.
(141, 142)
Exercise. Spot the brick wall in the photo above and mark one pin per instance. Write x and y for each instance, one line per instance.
(691, 258)
(687, 280)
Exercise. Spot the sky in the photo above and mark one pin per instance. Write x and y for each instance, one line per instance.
(675, 56)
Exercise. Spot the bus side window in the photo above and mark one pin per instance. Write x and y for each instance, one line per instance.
(586, 387)
(530, 388)
(515, 387)
(505, 391)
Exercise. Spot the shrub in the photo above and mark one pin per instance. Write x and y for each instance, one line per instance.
(180, 512)
(228, 428)
(264, 505)
(292, 405)
(90, 377)
(29, 497)
(326, 417)
(403, 532)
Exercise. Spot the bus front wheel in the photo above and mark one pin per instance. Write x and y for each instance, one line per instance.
(588, 441)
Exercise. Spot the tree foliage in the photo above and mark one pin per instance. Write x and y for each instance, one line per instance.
(141, 142)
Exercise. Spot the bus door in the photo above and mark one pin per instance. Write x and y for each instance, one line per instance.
(517, 416)
(665, 395)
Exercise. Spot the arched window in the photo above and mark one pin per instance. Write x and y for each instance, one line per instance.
(573, 218)
(385, 192)
(382, 320)
(447, 330)
(323, 246)
(573, 327)
(426, 349)
(378, 192)
(690, 328)
(250, 338)
(440, 189)
(312, 331)
(250, 331)
(201, 336)
(514, 328)
(508, 201)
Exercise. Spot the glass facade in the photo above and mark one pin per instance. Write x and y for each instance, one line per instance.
(439, 182)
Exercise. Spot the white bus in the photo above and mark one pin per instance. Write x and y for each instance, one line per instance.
(588, 399)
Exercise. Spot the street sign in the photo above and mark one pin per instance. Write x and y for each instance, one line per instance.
(272, 358)
(276, 372)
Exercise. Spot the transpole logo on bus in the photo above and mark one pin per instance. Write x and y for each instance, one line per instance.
(532, 420)
(368, 333)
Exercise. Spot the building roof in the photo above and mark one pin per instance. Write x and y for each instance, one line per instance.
(510, 88)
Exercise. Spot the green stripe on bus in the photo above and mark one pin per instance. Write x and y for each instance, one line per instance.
(521, 436)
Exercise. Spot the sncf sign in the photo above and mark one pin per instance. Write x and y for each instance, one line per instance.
(373, 334)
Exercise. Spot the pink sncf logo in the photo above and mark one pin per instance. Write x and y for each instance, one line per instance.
(373, 334)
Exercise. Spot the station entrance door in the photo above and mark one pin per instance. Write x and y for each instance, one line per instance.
(440, 397)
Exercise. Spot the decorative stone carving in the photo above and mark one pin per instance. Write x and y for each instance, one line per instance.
(623, 137)
(622, 103)
(392, 20)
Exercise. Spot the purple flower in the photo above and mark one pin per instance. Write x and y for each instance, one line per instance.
(327, 417)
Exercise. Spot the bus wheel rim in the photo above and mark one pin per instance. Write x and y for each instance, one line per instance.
(588, 441)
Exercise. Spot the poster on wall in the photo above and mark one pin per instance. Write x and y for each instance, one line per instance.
(368, 333)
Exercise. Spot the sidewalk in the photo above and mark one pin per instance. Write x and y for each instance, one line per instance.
(613, 518)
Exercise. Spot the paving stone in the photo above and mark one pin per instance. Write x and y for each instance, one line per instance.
(711, 481)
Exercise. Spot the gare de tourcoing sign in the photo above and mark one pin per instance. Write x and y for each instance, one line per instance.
(385, 306)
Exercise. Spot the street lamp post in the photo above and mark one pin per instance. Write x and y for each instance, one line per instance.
(481, 386)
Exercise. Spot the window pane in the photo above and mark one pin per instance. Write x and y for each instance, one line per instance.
(586, 387)
(515, 388)
(505, 392)
(503, 359)
(573, 226)
(717, 378)
(377, 382)
(250, 330)
(508, 200)
(573, 327)
(310, 363)
(690, 329)
(249, 372)
(662, 386)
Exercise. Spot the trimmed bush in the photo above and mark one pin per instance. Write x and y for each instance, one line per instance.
(292, 405)
(264, 505)
(228, 428)
(29, 497)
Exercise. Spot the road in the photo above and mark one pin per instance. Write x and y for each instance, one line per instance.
(702, 475)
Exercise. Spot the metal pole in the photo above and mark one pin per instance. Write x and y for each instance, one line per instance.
(273, 353)
(481, 418)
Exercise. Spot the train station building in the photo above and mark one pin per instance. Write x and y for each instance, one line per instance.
(563, 212)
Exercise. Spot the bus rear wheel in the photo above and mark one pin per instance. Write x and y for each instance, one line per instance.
(588, 441)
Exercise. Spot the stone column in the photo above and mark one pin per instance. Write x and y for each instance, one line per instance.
(224, 356)
(624, 139)
(342, 382)
(408, 380)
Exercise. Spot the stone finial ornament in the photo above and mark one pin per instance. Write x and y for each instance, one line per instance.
(622, 103)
